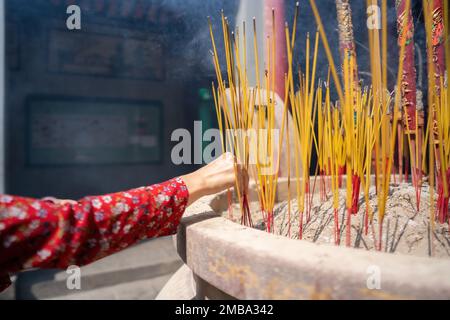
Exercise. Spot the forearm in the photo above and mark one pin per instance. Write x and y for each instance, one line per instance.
(36, 233)
(215, 177)
(55, 234)
(195, 185)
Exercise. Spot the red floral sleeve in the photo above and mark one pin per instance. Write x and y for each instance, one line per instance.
(42, 234)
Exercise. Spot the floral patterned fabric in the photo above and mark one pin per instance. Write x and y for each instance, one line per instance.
(43, 234)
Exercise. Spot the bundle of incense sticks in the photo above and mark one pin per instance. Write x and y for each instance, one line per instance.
(436, 16)
(354, 137)
(365, 123)
(243, 110)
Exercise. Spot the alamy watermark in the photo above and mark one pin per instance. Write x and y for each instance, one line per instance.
(73, 281)
(73, 21)
(255, 146)
(373, 281)
(373, 17)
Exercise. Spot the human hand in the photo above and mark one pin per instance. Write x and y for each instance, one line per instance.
(216, 176)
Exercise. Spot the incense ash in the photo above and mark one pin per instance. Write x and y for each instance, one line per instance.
(406, 230)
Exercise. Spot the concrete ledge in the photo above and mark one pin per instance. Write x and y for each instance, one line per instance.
(245, 263)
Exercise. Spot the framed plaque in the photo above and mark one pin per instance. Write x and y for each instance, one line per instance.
(85, 131)
(106, 55)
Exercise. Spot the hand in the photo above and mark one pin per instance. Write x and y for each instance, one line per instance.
(217, 176)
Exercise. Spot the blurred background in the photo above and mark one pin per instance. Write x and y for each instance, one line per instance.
(91, 111)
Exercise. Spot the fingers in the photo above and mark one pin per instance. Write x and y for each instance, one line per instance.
(233, 173)
(228, 156)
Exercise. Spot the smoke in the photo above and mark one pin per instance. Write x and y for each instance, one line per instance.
(189, 47)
